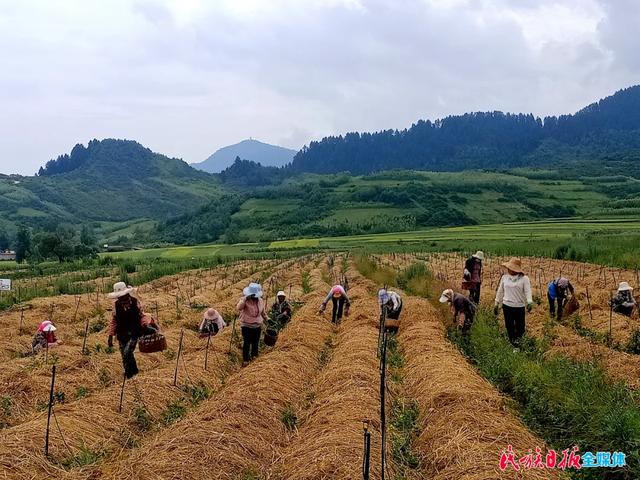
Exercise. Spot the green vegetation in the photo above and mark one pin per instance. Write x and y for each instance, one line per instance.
(566, 402)
(289, 418)
(142, 418)
(83, 457)
(306, 282)
(197, 393)
(404, 423)
(174, 412)
(81, 392)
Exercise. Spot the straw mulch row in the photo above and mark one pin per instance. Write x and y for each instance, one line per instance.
(328, 443)
(564, 340)
(26, 381)
(239, 429)
(94, 422)
(465, 423)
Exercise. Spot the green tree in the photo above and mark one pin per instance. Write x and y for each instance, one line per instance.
(87, 237)
(23, 244)
(4, 240)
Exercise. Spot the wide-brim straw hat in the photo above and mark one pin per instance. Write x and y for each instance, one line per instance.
(624, 287)
(447, 296)
(515, 265)
(120, 289)
(253, 290)
(479, 255)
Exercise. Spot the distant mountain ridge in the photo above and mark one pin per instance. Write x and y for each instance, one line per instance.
(263, 153)
(485, 140)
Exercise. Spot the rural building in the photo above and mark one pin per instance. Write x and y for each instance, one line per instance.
(7, 255)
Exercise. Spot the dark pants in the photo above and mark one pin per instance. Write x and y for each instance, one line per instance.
(394, 314)
(561, 301)
(338, 307)
(127, 347)
(621, 309)
(468, 321)
(251, 337)
(474, 294)
(514, 322)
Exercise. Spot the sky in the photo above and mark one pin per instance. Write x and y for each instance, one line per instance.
(186, 77)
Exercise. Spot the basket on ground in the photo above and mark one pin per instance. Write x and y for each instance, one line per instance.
(152, 343)
(270, 337)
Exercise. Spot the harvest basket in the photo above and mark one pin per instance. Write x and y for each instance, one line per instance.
(270, 337)
(467, 285)
(572, 306)
(152, 343)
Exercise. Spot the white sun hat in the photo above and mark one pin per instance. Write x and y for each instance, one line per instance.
(253, 290)
(479, 255)
(624, 286)
(281, 294)
(120, 289)
(383, 296)
(447, 296)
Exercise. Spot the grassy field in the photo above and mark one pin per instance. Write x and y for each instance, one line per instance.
(614, 242)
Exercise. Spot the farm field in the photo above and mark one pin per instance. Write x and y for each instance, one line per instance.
(297, 411)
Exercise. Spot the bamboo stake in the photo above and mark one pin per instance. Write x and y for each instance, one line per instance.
(589, 303)
(175, 373)
(124, 379)
(46, 438)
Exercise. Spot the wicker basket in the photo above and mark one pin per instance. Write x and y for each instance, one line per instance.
(270, 337)
(152, 343)
(391, 325)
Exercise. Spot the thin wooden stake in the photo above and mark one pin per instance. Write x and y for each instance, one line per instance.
(86, 334)
(206, 351)
(21, 320)
(124, 379)
(610, 318)
(46, 438)
(589, 303)
(175, 373)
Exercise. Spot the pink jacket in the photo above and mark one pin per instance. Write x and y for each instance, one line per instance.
(252, 312)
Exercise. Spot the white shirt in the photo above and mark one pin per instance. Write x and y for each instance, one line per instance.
(514, 291)
(395, 299)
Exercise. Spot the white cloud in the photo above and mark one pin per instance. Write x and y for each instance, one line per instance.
(185, 77)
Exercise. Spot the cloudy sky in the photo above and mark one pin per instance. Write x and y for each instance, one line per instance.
(185, 77)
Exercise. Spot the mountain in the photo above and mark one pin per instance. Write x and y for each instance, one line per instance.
(107, 181)
(263, 153)
(485, 140)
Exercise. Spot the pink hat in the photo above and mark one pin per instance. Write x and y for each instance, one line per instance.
(46, 326)
(337, 291)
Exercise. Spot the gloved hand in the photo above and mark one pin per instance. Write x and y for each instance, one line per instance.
(495, 310)
(110, 341)
(322, 308)
(529, 307)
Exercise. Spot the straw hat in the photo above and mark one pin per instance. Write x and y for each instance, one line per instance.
(120, 289)
(253, 290)
(515, 265)
(624, 286)
(211, 314)
(447, 296)
(479, 255)
(281, 294)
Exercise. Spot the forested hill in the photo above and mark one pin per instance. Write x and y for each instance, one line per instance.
(107, 181)
(486, 140)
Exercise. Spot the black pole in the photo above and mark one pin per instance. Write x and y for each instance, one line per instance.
(21, 320)
(383, 315)
(124, 379)
(53, 381)
(367, 452)
(383, 387)
(46, 353)
(206, 351)
(86, 334)
(175, 374)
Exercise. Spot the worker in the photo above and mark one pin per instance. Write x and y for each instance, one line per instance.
(340, 301)
(464, 309)
(212, 323)
(280, 311)
(514, 294)
(45, 337)
(473, 275)
(251, 315)
(392, 301)
(128, 323)
(623, 301)
(557, 292)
